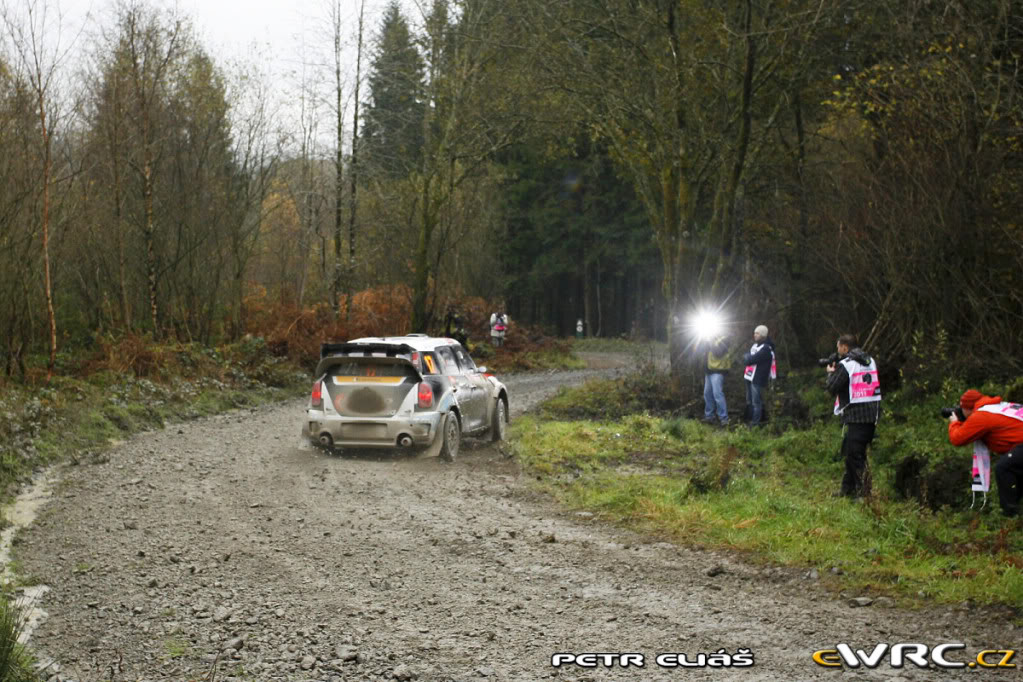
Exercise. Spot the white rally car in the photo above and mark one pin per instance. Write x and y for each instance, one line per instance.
(411, 391)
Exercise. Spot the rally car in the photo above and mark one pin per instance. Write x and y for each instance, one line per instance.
(413, 391)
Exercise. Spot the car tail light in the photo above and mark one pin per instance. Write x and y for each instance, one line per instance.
(317, 396)
(425, 395)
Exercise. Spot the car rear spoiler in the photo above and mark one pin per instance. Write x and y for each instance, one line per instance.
(388, 349)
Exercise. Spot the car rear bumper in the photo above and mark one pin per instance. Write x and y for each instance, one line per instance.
(417, 431)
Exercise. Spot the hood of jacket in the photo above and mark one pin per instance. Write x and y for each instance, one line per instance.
(987, 400)
(859, 356)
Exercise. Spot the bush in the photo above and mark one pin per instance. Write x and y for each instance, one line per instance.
(647, 391)
(932, 483)
(296, 333)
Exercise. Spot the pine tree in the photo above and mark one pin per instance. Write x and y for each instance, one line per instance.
(393, 137)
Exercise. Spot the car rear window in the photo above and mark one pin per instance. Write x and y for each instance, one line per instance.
(360, 367)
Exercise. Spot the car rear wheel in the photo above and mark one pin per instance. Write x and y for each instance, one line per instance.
(498, 421)
(452, 437)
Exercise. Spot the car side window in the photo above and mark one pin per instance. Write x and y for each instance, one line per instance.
(447, 361)
(464, 361)
(430, 363)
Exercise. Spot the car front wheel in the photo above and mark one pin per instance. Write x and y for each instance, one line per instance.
(452, 437)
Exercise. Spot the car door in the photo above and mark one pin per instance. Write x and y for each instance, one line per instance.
(463, 388)
(479, 384)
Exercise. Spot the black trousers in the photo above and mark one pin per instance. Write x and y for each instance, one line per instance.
(1009, 476)
(854, 449)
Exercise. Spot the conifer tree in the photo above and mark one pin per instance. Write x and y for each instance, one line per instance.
(393, 132)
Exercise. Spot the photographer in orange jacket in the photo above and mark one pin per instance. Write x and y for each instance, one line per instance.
(1000, 426)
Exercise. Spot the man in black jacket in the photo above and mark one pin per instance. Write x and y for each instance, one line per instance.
(759, 363)
(854, 383)
(454, 327)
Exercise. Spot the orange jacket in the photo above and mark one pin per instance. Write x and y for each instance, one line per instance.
(999, 433)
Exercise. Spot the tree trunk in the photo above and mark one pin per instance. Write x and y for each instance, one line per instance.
(725, 228)
(47, 162)
(150, 237)
(421, 279)
(675, 199)
(587, 297)
(799, 318)
(335, 292)
(122, 258)
(353, 171)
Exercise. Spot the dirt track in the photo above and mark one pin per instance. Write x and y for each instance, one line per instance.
(228, 540)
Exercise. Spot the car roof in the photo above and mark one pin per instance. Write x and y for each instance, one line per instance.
(419, 342)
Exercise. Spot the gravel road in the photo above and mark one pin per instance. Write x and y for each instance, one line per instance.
(226, 542)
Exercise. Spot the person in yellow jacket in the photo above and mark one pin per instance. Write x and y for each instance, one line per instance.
(718, 360)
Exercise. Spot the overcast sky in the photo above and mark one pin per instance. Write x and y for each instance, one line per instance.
(282, 37)
(231, 27)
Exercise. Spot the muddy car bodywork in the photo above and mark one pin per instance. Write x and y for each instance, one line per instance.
(411, 391)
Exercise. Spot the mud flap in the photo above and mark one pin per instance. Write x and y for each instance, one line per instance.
(432, 450)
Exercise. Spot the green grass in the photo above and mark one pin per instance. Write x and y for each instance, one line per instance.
(177, 647)
(768, 495)
(617, 345)
(72, 416)
(15, 660)
(647, 391)
(21, 578)
(553, 359)
(558, 355)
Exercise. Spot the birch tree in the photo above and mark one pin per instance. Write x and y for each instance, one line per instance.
(38, 54)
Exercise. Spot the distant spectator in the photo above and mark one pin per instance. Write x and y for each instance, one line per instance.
(454, 328)
(498, 326)
(760, 368)
(717, 362)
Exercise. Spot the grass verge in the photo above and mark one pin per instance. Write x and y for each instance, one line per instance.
(81, 414)
(526, 357)
(768, 494)
(619, 345)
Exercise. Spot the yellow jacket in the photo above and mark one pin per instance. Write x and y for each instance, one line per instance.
(719, 356)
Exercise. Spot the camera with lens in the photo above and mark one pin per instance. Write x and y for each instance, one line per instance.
(831, 359)
(947, 412)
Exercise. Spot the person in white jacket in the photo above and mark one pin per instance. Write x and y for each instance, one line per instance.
(498, 326)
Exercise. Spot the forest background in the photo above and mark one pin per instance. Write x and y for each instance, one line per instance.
(819, 166)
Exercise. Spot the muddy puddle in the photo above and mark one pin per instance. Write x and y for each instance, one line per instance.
(21, 513)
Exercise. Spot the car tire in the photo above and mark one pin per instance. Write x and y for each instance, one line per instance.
(451, 437)
(498, 421)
